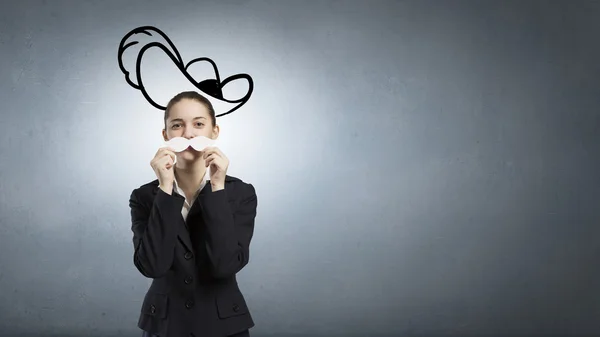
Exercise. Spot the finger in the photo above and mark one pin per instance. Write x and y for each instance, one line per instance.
(164, 149)
(165, 161)
(164, 154)
(208, 151)
(222, 156)
(210, 160)
(214, 149)
(215, 162)
(212, 157)
(170, 153)
(217, 150)
(162, 160)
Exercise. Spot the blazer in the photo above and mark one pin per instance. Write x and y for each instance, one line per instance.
(193, 265)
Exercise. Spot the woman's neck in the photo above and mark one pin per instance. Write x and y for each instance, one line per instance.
(189, 175)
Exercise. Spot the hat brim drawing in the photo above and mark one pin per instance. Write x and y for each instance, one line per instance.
(212, 87)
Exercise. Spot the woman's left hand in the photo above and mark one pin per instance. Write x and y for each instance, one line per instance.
(218, 163)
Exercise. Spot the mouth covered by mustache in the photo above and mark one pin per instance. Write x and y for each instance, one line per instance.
(179, 144)
(199, 143)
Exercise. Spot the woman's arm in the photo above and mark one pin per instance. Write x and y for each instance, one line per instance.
(228, 233)
(155, 233)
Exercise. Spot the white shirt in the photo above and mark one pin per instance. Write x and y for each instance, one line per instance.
(188, 203)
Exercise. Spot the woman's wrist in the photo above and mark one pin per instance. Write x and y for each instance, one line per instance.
(217, 187)
(166, 189)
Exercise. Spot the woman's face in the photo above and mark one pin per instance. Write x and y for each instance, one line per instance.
(188, 119)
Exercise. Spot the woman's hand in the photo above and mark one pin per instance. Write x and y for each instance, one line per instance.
(218, 163)
(162, 164)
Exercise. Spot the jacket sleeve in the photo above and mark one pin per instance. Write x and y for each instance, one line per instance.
(228, 233)
(155, 233)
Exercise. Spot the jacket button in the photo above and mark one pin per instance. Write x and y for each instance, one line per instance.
(152, 309)
(188, 280)
(236, 308)
(188, 255)
(189, 304)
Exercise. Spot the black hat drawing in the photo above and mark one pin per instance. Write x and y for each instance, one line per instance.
(211, 87)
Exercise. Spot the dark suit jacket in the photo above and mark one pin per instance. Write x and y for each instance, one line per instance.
(193, 266)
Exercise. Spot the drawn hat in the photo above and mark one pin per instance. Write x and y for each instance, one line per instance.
(212, 87)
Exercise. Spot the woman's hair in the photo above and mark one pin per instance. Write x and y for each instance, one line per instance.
(193, 96)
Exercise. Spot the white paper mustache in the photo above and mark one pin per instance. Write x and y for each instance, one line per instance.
(179, 144)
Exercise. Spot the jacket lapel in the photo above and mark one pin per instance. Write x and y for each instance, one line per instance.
(195, 210)
(183, 237)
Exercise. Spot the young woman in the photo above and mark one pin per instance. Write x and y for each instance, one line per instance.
(191, 233)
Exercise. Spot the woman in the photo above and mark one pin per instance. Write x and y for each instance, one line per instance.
(191, 233)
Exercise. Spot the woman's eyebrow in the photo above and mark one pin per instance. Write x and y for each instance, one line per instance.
(181, 120)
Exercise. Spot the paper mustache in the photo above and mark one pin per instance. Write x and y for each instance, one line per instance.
(212, 87)
(179, 144)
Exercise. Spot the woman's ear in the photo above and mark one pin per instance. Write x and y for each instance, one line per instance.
(164, 133)
(215, 132)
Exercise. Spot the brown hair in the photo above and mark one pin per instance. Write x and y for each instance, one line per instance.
(193, 95)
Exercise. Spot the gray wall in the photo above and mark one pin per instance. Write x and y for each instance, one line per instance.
(422, 167)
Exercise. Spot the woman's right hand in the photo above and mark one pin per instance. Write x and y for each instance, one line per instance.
(162, 164)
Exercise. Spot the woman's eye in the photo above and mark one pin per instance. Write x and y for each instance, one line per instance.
(200, 124)
(174, 126)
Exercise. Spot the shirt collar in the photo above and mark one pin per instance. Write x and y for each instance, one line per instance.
(205, 179)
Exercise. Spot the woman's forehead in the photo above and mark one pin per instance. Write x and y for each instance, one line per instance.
(188, 109)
